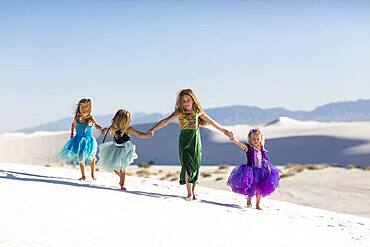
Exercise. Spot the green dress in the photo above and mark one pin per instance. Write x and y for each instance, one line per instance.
(190, 147)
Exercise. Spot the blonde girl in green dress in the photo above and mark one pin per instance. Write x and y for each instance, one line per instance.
(190, 116)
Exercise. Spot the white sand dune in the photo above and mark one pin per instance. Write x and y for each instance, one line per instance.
(334, 189)
(288, 140)
(43, 206)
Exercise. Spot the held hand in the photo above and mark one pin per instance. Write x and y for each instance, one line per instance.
(231, 136)
(228, 133)
(149, 134)
(104, 130)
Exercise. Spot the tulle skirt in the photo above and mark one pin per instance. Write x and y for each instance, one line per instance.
(251, 180)
(79, 149)
(115, 157)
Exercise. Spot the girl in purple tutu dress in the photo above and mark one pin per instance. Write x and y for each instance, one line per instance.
(258, 177)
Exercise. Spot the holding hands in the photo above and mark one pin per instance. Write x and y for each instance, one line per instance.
(104, 130)
(228, 133)
(149, 134)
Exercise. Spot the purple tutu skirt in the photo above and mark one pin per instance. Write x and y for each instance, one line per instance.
(251, 180)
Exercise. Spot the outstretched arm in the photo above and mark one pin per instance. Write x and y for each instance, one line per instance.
(212, 122)
(138, 134)
(239, 144)
(73, 127)
(98, 126)
(163, 123)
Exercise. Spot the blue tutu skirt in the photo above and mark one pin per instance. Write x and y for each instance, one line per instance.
(80, 149)
(251, 180)
(115, 157)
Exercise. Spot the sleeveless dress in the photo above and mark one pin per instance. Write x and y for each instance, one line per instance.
(117, 154)
(82, 147)
(258, 177)
(190, 147)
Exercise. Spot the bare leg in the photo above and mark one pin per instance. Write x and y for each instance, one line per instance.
(188, 187)
(82, 168)
(92, 167)
(194, 198)
(258, 200)
(249, 202)
(122, 180)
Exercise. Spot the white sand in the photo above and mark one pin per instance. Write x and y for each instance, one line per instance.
(47, 207)
(336, 189)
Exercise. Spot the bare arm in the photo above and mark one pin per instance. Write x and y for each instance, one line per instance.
(138, 134)
(212, 122)
(163, 123)
(73, 127)
(240, 144)
(98, 126)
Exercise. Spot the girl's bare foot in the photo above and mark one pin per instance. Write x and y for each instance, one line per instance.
(194, 197)
(249, 202)
(189, 197)
(83, 178)
(259, 208)
(93, 177)
(123, 188)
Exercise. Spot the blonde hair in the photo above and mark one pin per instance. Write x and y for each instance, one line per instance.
(179, 109)
(120, 122)
(85, 115)
(258, 132)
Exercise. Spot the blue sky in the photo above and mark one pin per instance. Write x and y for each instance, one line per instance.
(138, 54)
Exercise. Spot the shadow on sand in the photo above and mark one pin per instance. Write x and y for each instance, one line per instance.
(29, 177)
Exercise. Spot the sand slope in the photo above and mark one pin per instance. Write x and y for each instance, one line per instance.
(288, 140)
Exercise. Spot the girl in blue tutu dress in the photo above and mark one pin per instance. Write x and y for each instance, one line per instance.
(258, 177)
(81, 148)
(119, 153)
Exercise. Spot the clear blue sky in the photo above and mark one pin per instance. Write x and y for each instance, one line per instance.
(138, 54)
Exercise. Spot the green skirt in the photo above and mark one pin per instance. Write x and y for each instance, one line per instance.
(190, 152)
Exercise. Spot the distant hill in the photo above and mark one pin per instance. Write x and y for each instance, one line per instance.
(231, 115)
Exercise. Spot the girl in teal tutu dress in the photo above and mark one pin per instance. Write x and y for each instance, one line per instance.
(82, 146)
(119, 153)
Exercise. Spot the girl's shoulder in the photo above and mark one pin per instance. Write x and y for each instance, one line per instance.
(92, 120)
(248, 147)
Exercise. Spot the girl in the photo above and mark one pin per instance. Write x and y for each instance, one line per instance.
(190, 115)
(81, 148)
(258, 177)
(119, 153)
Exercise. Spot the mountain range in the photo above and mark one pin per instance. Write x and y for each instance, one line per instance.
(232, 115)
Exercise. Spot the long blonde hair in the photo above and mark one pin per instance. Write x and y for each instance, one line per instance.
(258, 132)
(85, 115)
(120, 122)
(179, 109)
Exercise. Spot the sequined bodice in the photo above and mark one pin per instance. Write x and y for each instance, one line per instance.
(188, 121)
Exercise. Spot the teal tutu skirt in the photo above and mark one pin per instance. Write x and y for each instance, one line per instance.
(115, 157)
(80, 149)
